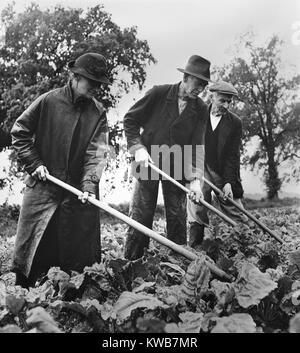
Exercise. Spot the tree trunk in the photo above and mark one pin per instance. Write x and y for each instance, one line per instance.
(273, 181)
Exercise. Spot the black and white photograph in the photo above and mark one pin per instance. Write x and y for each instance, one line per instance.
(149, 169)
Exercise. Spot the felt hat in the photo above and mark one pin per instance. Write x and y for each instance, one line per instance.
(198, 67)
(92, 66)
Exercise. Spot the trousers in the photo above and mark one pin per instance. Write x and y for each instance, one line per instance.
(142, 209)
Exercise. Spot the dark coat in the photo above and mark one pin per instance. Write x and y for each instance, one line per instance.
(229, 144)
(5, 139)
(69, 137)
(158, 114)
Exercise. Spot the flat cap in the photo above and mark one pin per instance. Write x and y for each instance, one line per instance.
(223, 87)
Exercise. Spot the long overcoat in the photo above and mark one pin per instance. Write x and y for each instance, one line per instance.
(68, 135)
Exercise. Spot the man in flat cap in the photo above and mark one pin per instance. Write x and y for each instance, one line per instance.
(172, 117)
(222, 161)
(64, 133)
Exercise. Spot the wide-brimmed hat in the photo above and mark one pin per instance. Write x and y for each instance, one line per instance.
(92, 66)
(198, 67)
(223, 87)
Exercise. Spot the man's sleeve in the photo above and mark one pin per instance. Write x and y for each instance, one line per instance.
(95, 157)
(136, 117)
(23, 132)
(232, 162)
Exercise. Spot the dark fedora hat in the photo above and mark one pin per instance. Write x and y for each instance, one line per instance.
(198, 67)
(92, 66)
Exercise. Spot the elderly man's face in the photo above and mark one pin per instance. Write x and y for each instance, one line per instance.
(86, 87)
(220, 103)
(193, 86)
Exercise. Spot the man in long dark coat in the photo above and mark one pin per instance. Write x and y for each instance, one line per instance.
(64, 133)
(223, 139)
(172, 116)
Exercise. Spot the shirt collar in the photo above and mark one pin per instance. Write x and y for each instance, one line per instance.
(181, 91)
(215, 116)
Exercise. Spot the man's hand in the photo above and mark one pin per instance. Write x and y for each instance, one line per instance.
(40, 173)
(227, 190)
(195, 191)
(84, 196)
(142, 156)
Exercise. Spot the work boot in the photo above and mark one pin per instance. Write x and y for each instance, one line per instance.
(196, 234)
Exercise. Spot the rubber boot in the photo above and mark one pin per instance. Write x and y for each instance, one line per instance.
(196, 234)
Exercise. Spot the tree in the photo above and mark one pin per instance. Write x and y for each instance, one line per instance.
(38, 44)
(268, 109)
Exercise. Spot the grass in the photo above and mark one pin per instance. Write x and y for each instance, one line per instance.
(9, 217)
(9, 214)
(251, 204)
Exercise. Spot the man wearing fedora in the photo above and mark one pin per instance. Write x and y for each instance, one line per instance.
(170, 115)
(222, 161)
(64, 133)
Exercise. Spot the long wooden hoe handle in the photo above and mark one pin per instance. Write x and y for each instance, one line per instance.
(141, 228)
(247, 213)
(185, 189)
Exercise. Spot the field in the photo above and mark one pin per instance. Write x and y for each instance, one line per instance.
(164, 292)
